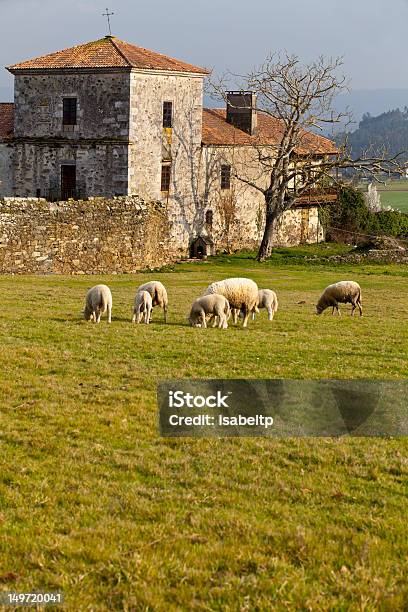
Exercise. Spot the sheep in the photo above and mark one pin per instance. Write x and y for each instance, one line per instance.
(269, 300)
(266, 299)
(211, 304)
(343, 292)
(158, 294)
(241, 293)
(142, 307)
(98, 301)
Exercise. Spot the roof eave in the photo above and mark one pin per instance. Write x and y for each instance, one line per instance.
(66, 70)
(109, 69)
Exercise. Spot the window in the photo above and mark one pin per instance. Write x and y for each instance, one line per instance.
(167, 114)
(165, 177)
(225, 177)
(68, 181)
(69, 111)
(209, 217)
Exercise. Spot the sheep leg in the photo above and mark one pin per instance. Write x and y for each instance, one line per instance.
(235, 313)
(165, 313)
(134, 317)
(338, 310)
(360, 308)
(109, 309)
(147, 315)
(218, 317)
(203, 318)
(353, 307)
(270, 313)
(245, 313)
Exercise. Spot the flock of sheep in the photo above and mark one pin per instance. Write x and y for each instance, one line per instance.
(232, 296)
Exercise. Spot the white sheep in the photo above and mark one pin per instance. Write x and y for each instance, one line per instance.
(98, 301)
(269, 300)
(158, 293)
(241, 293)
(266, 299)
(344, 292)
(212, 304)
(142, 307)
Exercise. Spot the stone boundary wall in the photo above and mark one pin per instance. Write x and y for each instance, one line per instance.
(95, 236)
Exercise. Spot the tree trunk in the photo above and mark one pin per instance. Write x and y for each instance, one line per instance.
(265, 249)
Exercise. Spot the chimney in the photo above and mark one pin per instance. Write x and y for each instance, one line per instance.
(241, 110)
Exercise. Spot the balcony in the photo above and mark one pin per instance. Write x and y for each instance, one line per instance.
(318, 195)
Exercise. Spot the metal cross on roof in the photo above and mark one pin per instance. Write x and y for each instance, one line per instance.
(107, 15)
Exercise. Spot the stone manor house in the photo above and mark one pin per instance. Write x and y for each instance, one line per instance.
(107, 118)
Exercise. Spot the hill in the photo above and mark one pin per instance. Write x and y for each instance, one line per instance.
(388, 130)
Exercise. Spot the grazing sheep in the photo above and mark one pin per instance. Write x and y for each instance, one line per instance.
(344, 292)
(142, 307)
(213, 304)
(241, 293)
(269, 300)
(98, 301)
(158, 294)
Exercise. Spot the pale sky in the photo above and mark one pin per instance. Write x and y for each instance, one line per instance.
(221, 34)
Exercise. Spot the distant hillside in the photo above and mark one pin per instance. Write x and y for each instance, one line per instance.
(373, 101)
(389, 130)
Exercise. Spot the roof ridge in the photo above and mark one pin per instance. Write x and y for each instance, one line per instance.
(111, 38)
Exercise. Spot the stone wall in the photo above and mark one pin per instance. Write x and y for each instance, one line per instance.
(6, 169)
(238, 213)
(96, 236)
(102, 104)
(151, 144)
(98, 144)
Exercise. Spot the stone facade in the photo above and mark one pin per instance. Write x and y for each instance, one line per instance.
(117, 146)
(97, 236)
(97, 145)
(237, 214)
(6, 169)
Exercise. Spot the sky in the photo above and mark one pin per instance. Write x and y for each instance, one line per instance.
(222, 35)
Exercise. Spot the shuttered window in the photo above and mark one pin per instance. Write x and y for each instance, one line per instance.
(167, 114)
(225, 177)
(69, 111)
(165, 177)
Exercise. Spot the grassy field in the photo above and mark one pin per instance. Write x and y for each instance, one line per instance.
(395, 199)
(394, 193)
(95, 504)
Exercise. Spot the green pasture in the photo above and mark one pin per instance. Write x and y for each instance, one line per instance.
(95, 504)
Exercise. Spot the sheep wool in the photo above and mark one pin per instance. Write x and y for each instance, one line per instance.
(142, 307)
(241, 293)
(213, 304)
(158, 293)
(343, 292)
(98, 301)
(269, 300)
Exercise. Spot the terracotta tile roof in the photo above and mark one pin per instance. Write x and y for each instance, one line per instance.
(216, 131)
(108, 52)
(6, 120)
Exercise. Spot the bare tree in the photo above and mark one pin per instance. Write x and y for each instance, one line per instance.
(300, 99)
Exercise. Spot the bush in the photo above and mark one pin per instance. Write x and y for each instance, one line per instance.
(349, 216)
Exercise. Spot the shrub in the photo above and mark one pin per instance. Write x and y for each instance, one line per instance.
(349, 216)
